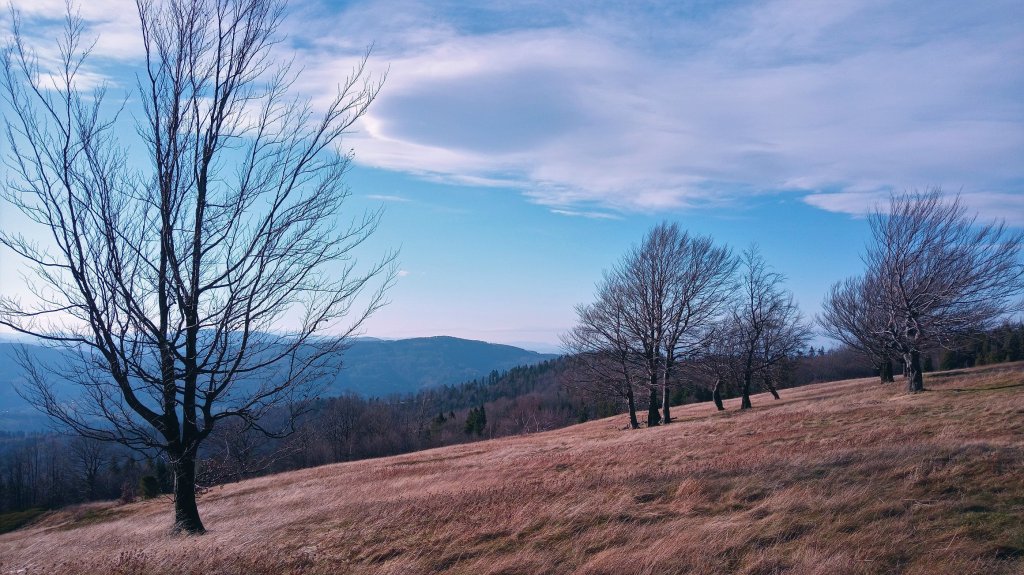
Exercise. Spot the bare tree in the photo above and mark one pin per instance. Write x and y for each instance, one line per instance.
(765, 327)
(938, 274)
(339, 425)
(604, 361)
(654, 309)
(88, 456)
(851, 315)
(218, 280)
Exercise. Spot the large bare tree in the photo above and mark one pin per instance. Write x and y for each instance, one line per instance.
(216, 279)
(936, 273)
(660, 298)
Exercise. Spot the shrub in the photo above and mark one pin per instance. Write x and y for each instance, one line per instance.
(149, 487)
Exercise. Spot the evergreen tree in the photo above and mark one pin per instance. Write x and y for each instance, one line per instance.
(481, 421)
(471, 419)
(1015, 344)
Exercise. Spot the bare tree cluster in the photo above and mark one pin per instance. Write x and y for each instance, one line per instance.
(676, 300)
(198, 287)
(934, 275)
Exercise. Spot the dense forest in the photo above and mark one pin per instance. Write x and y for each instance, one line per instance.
(47, 471)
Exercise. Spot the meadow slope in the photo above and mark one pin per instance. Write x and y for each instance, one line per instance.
(844, 478)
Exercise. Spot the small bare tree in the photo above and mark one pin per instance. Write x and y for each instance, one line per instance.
(852, 315)
(218, 280)
(88, 456)
(937, 273)
(604, 361)
(765, 327)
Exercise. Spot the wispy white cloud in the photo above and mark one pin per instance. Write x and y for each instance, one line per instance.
(112, 26)
(388, 198)
(988, 206)
(600, 107)
(586, 214)
(752, 98)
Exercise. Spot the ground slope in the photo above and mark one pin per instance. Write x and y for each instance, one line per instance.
(848, 477)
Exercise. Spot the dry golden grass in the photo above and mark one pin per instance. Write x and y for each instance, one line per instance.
(845, 478)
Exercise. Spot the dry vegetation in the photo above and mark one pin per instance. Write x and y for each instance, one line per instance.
(847, 477)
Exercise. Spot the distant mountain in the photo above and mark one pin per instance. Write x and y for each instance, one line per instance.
(372, 367)
(381, 367)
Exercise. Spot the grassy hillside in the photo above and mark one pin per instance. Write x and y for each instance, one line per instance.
(843, 478)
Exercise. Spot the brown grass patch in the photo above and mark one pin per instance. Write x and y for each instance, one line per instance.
(839, 478)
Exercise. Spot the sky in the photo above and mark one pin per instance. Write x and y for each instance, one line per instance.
(521, 147)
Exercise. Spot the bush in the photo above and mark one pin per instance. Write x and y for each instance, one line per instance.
(149, 487)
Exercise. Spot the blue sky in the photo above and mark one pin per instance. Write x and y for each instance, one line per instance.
(521, 147)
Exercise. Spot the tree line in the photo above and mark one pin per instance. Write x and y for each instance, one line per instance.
(677, 307)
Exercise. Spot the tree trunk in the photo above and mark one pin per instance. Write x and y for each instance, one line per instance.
(631, 402)
(186, 513)
(915, 379)
(716, 394)
(653, 416)
(745, 404)
(771, 388)
(666, 416)
(885, 371)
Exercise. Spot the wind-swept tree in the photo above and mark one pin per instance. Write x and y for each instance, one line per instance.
(216, 279)
(937, 273)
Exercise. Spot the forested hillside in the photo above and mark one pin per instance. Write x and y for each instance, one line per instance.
(370, 368)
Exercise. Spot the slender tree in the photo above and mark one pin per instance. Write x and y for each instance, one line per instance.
(200, 286)
(765, 327)
(936, 274)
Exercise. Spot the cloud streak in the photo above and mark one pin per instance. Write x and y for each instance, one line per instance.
(601, 108)
(794, 96)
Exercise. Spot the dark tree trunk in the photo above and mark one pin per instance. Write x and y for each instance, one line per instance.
(186, 513)
(771, 388)
(631, 402)
(653, 415)
(666, 416)
(915, 378)
(716, 394)
(745, 403)
(885, 371)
